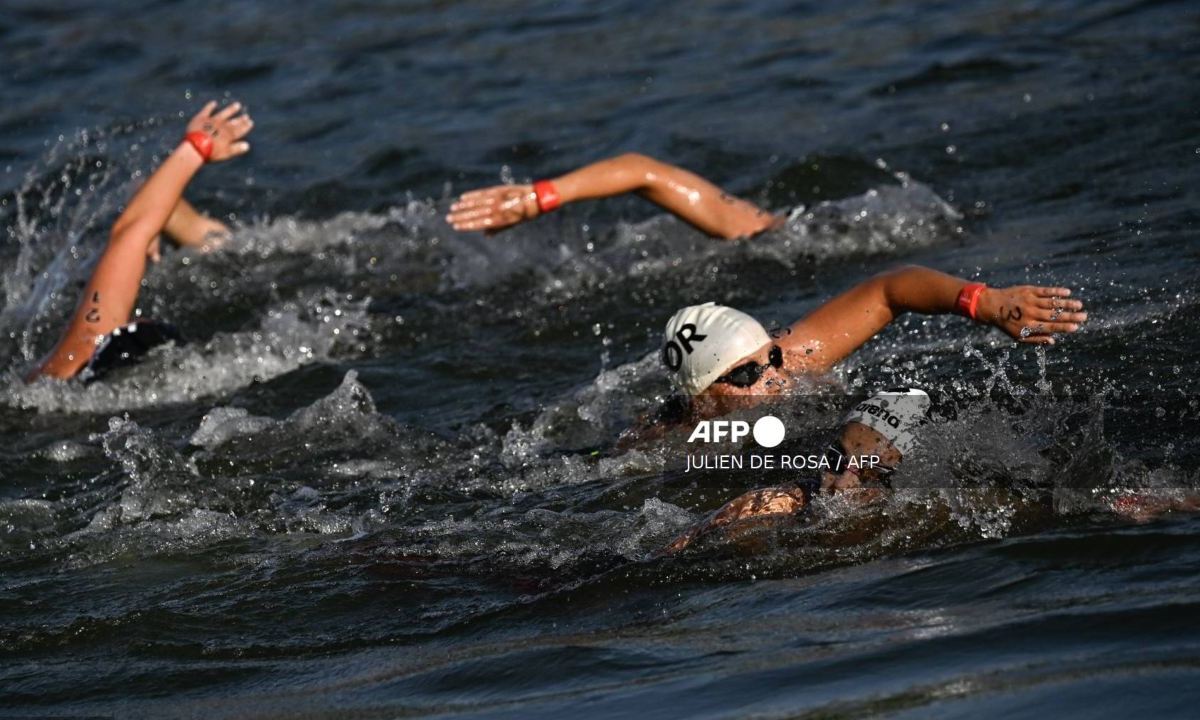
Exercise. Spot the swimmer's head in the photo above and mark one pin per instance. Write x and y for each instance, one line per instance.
(704, 342)
(883, 426)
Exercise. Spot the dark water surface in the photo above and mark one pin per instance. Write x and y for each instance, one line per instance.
(380, 481)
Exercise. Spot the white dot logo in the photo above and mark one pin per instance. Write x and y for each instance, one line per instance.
(768, 431)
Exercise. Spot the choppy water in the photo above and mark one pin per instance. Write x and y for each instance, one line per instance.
(382, 478)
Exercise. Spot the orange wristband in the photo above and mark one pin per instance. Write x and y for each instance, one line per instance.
(202, 142)
(968, 299)
(547, 196)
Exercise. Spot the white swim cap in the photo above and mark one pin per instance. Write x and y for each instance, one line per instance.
(703, 341)
(894, 414)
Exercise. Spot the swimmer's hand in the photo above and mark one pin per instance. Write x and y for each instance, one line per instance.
(746, 511)
(1031, 314)
(226, 128)
(493, 209)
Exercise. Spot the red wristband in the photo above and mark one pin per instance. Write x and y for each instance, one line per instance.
(547, 196)
(968, 299)
(202, 142)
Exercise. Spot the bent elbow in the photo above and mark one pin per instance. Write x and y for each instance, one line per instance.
(642, 169)
(649, 177)
(634, 158)
(900, 270)
(888, 284)
(121, 229)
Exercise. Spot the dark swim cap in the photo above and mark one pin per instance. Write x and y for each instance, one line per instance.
(127, 345)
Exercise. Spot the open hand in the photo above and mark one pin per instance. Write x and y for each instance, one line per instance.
(1031, 314)
(493, 208)
(226, 128)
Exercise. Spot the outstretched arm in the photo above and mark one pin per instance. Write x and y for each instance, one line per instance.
(693, 199)
(110, 294)
(1028, 313)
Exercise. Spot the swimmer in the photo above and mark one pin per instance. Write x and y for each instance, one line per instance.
(718, 356)
(688, 196)
(874, 437)
(100, 335)
(721, 359)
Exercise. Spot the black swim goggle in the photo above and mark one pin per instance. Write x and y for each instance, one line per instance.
(746, 374)
(838, 460)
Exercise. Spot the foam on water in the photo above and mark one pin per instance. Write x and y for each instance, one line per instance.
(884, 220)
(435, 516)
(307, 281)
(338, 467)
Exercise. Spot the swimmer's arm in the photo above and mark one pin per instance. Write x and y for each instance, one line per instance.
(109, 295)
(112, 290)
(693, 199)
(839, 327)
(746, 512)
(187, 227)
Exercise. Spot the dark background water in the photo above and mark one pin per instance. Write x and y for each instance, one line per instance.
(368, 487)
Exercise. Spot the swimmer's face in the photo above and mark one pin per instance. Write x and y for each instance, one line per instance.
(770, 382)
(858, 439)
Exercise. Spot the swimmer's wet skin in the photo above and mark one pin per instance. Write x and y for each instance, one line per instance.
(688, 196)
(157, 207)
